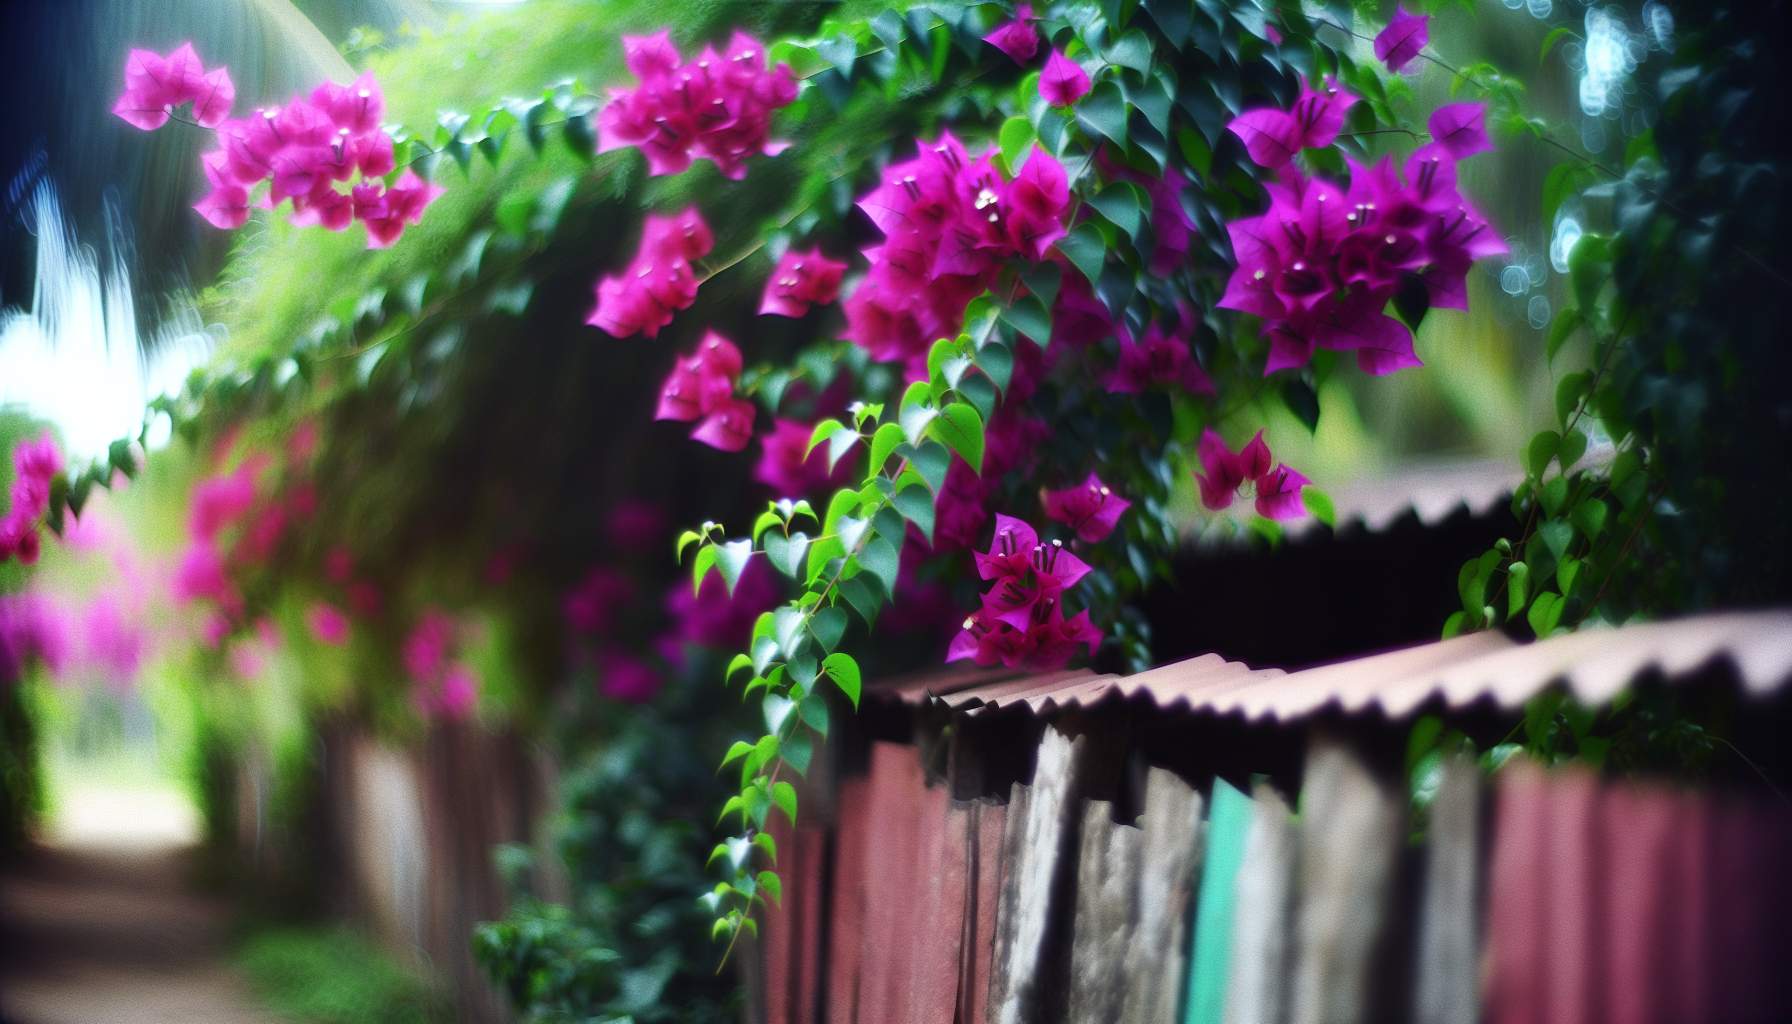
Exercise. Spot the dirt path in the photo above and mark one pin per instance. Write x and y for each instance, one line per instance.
(101, 927)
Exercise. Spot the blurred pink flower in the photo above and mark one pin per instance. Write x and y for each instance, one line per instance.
(328, 624)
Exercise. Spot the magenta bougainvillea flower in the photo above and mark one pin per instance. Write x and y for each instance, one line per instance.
(1018, 38)
(1021, 622)
(385, 213)
(788, 467)
(635, 523)
(717, 107)
(35, 464)
(1225, 473)
(701, 387)
(628, 679)
(1273, 137)
(659, 282)
(1401, 41)
(327, 154)
(1460, 128)
(801, 280)
(154, 85)
(442, 685)
(1321, 266)
(1159, 358)
(712, 617)
(1091, 509)
(592, 606)
(949, 223)
(1063, 81)
(327, 623)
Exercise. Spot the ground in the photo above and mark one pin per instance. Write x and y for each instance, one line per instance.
(100, 924)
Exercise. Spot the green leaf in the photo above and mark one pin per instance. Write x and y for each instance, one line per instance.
(1555, 36)
(1518, 581)
(916, 505)
(882, 558)
(1545, 613)
(731, 559)
(930, 459)
(740, 749)
(1574, 445)
(1589, 267)
(767, 519)
(844, 671)
(784, 797)
(814, 712)
(961, 429)
(768, 883)
(1567, 571)
(1028, 316)
(1132, 50)
(1103, 111)
(1123, 204)
(1569, 392)
(1319, 505)
(797, 752)
(839, 443)
(1015, 139)
(996, 360)
(828, 625)
(1557, 535)
(1086, 249)
(1553, 494)
(777, 709)
(739, 662)
(786, 553)
(706, 560)
(1562, 328)
(1453, 625)
(883, 443)
(1541, 451)
(823, 430)
(1589, 517)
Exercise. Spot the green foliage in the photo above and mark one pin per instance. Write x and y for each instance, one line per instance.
(1673, 512)
(335, 976)
(631, 944)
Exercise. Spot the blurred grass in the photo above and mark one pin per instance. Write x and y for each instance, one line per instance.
(335, 976)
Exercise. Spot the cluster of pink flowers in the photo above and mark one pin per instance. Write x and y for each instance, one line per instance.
(154, 85)
(34, 465)
(217, 503)
(659, 282)
(327, 153)
(700, 388)
(717, 107)
(1159, 358)
(949, 223)
(1091, 510)
(33, 629)
(801, 280)
(1321, 266)
(1225, 473)
(1021, 622)
(442, 685)
(1062, 81)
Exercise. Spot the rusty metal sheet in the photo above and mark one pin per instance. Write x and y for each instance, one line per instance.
(983, 825)
(1595, 664)
(1021, 980)
(894, 866)
(1107, 877)
(853, 834)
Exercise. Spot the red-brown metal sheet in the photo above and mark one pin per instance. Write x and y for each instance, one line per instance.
(1595, 664)
(982, 825)
(853, 836)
